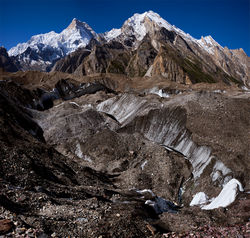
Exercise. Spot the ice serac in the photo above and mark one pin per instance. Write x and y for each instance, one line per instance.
(43, 49)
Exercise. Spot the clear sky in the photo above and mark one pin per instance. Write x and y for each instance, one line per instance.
(227, 21)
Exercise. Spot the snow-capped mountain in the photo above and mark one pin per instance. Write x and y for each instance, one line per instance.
(233, 62)
(140, 24)
(148, 22)
(41, 50)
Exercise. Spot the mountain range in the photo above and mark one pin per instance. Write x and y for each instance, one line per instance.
(145, 45)
(141, 131)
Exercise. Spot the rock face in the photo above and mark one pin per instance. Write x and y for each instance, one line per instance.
(6, 63)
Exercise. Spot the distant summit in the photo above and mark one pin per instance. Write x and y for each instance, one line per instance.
(42, 50)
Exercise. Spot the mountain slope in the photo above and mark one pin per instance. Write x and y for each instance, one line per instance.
(160, 53)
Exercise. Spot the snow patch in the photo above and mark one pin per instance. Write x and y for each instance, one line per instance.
(74, 103)
(245, 88)
(78, 151)
(200, 158)
(159, 92)
(87, 158)
(199, 199)
(146, 191)
(110, 35)
(209, 44)
(143, 164)
(124, 109)
(226, 196)
(219, 91)
(149, 71)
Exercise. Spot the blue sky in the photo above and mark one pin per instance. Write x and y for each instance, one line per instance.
(227, 21)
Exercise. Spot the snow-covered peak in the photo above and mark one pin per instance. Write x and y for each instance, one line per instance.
(80, 26)
(77, 34)
(75, 24)
(33, 42)
(110, 35)
(140, 24)
(137, 26)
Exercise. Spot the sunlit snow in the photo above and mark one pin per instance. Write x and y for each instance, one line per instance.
(226, 196)
(199, 198)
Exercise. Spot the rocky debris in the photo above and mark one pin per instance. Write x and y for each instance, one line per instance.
(131, 116)
(42, 99)
(69, 89)
(107, 162)
(213, 231)
(5, 226)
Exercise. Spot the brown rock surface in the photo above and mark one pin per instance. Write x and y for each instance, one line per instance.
(5, 226)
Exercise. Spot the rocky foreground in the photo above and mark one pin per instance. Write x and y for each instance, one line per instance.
(109, 156)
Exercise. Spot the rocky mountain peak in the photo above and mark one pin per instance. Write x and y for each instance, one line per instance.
(208, 40)
(141, 24)
(137, 26)
(78, 25)
(42, 50)
(75, 23)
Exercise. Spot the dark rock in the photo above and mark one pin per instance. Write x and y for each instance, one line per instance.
(68, 89)
(6, 62)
